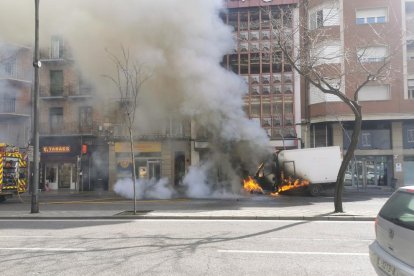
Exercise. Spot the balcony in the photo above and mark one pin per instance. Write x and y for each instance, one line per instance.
(72, 128)
(69, 91)
(11, 107)
(15, 75)
(58, 56)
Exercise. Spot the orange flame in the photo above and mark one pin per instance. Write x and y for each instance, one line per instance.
(290, 184)
(250, 185)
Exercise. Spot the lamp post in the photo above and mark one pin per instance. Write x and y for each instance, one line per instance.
(35, 136)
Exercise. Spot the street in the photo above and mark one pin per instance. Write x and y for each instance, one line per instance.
(185, 247)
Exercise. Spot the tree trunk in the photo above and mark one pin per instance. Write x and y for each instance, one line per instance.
(339, 186)
(134, 177)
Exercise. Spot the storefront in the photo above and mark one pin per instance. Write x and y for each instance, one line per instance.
(73, 163)
(147, 160)
(370, 171)
(59, 163)
(153, 160)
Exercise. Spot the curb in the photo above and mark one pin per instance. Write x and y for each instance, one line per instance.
(183, 217)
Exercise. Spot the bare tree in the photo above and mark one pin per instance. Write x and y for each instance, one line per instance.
(131, 74)
(325, 68)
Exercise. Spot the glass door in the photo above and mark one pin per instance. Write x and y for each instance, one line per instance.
(154, 170)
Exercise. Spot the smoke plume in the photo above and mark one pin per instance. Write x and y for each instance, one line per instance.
(181, 43)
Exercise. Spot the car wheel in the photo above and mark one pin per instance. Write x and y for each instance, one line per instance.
(2, 199)
(315, 189)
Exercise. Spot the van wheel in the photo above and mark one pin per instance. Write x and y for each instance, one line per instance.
(2, 199)
(315, 189)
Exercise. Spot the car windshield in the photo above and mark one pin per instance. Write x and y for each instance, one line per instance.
(399, 209)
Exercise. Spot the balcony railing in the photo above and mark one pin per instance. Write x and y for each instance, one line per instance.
(73, 128)
(120, 131)
(70, 90)
(13, 106)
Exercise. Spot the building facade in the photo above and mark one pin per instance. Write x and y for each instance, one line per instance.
(273, 99)
(367, 34)
(15, 94)
(73, 149)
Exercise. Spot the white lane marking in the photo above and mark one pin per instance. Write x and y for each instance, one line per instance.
(42, 249)
(294, 252)
(313, 239)
(22, 236)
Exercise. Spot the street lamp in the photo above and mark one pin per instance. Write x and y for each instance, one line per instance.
(35, 136)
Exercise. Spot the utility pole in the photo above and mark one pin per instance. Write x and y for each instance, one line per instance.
(35, 136)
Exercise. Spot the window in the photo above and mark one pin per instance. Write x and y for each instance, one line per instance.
(374, 135)
(56, 49)
(410, 135)
(176, 127)
(56, 118)
(411, 89)
(8, 104)
(85, 117)
(328, 15)
(56, 82)
(371, 16)
(366, 139)
(372, 54)
(10, 67)
(374, 93)
(326, 53)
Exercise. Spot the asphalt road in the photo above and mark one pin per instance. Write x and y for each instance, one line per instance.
(185, 247)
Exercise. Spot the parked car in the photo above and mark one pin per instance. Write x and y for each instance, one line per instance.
(392, 252)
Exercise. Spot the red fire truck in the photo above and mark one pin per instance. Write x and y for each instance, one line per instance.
(13, 171)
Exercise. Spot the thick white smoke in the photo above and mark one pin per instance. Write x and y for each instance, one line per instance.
(144, 188)
(181, 42)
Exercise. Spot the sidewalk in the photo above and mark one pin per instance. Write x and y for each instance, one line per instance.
(358, 206)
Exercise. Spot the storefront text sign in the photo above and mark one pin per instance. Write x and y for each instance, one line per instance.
(56, 149)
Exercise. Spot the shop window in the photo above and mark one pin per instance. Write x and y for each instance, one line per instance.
(374, 135)
(366, 139)
(408, 137)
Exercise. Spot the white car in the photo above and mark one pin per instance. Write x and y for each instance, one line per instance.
(392, 253)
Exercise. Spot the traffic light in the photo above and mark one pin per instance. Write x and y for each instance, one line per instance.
(84, 149)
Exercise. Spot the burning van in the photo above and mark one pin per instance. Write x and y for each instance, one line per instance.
(313, 169)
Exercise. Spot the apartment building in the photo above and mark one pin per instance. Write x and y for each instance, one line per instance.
(366, 34)
(16, 76)
(73, 149)
(273, 99)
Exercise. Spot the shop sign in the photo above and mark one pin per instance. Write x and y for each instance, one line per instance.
(56, 149)
(138, 147)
